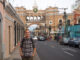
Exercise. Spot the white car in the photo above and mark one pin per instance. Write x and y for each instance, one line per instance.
(66, 40)
(35, 38)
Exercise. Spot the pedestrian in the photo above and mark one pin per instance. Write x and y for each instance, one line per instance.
(27, 47)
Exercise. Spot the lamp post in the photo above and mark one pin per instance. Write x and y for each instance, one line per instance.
(45, 27)
(66, 25)
(49, 29)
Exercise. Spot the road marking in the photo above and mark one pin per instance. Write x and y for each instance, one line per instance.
(68, 53)
(69, 49)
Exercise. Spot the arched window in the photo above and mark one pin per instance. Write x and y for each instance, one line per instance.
(60, 22)
(31, 18)
(35, 18)
(68, 21)
(79, 21)
(38, 18)
(28, 17)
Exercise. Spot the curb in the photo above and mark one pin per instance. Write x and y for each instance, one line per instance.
(36, 57)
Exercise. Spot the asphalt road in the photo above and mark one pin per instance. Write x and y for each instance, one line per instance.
(51, 50)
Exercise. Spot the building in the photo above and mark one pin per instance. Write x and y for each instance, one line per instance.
(11, 29)
(53, 18)
(44, 18)
(77, 12)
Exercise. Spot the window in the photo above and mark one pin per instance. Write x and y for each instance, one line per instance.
(79, 21)
(68, 21)
(50, 22)
(31, 18)
(60, 22)
(38, 18)
(28, 18)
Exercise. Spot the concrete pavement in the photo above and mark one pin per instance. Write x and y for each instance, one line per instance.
(16, 55)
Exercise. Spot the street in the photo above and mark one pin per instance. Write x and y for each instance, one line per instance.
(51, 50)
(44, 29)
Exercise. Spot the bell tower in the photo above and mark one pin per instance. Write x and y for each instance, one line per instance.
(35, 7)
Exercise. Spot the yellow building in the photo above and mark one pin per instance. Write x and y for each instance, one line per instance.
(48, 17)
(77, 15)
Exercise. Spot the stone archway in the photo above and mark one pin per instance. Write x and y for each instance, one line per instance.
(1, 36)
(39, 24)
(33, 24)
(40, 27)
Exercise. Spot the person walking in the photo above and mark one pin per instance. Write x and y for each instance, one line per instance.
(27, 47)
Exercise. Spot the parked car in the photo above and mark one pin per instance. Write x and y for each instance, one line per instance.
(58, 37)
(66, 40)
(74, 42)
(35, 38)
(41, 38)
(79, 45)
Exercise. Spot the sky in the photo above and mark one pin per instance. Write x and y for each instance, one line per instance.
(43, 4)
(32, 27)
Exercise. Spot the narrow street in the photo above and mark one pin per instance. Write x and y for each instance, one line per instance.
(41, 25)
(51, 50)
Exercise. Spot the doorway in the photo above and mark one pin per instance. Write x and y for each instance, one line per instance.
(1, 56)
(9, 29)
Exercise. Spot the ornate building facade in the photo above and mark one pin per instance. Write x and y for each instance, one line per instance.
(77, 12)
(45, 18)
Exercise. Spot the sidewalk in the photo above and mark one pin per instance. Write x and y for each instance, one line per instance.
(16, 56)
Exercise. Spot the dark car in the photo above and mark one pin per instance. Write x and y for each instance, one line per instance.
(79, 45)
(41, 38)
(74, 42)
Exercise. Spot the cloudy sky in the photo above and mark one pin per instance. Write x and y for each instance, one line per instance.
(43, 4)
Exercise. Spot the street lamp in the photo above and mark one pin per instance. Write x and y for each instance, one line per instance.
(60, 26)
(45, 27)
(66, 25)
(49, 29)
